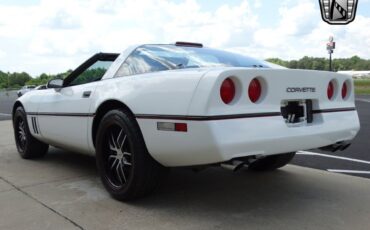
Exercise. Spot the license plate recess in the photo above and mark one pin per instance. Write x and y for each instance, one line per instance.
(297, 111)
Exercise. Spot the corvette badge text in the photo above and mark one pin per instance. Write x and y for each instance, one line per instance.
(301, 90)
(338, 12)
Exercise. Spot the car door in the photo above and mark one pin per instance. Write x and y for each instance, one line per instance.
(63, 115)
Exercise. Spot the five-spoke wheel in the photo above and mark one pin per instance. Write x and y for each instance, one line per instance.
(126, 168)
(118, 159)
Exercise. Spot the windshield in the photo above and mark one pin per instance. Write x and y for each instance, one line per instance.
(177, 57)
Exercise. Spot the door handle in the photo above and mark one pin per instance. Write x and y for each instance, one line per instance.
(86, 94)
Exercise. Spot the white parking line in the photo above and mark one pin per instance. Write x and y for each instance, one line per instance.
(331, 156)
(363, 100)
(348, 171)
(5, 114)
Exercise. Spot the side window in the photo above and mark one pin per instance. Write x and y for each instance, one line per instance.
(94, 73)
(141, 61)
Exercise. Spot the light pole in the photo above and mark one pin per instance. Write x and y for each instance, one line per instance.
(330, 46)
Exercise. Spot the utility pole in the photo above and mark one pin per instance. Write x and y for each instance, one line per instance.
(330, 46)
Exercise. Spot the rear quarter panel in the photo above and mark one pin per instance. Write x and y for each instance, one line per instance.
(166, 92)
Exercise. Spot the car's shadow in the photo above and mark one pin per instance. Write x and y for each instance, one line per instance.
(86, 164)
(216, 190)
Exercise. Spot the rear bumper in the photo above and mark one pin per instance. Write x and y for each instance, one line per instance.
(212, 141)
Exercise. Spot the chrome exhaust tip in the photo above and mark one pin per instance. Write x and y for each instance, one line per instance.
(345, 146)
(234, 165)
(342, 145)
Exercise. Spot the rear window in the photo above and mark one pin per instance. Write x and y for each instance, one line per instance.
(152, 58)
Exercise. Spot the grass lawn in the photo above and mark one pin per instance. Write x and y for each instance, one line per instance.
(362, 86)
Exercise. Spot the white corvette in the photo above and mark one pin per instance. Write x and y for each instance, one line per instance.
(158, 106)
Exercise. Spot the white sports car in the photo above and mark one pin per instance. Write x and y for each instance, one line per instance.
(158, 106)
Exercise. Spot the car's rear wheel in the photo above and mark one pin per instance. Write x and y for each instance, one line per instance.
(126, 168)
(27, 146)
(271, 162)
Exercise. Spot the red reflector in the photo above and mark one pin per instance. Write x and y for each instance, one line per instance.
(227, 91)
(181, 127)
(254, 90)
(330, 91)
(344, 90)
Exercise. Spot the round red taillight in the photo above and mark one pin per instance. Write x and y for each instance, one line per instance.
(330, 91)
(254, 90)
(227, 91)
(344, 90)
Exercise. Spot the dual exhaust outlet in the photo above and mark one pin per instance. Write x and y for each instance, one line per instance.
(234, 166)
(237, 164)
(342, 145)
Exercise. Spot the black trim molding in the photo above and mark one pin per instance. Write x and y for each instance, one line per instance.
(63, 114)
(206, 118)
(232, 116)
(334, 110)
(195, 118)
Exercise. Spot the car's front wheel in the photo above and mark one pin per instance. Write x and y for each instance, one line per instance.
(271, 162)
(125, 166)
(27, 146)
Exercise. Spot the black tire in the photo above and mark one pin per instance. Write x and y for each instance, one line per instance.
(28, 146)
(270, 163)
(126, 168)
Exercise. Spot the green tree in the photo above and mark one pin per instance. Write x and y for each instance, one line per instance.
(353, 63)
(3, 80)
(18, 79)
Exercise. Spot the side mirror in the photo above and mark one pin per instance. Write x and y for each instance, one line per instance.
(55, 84)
